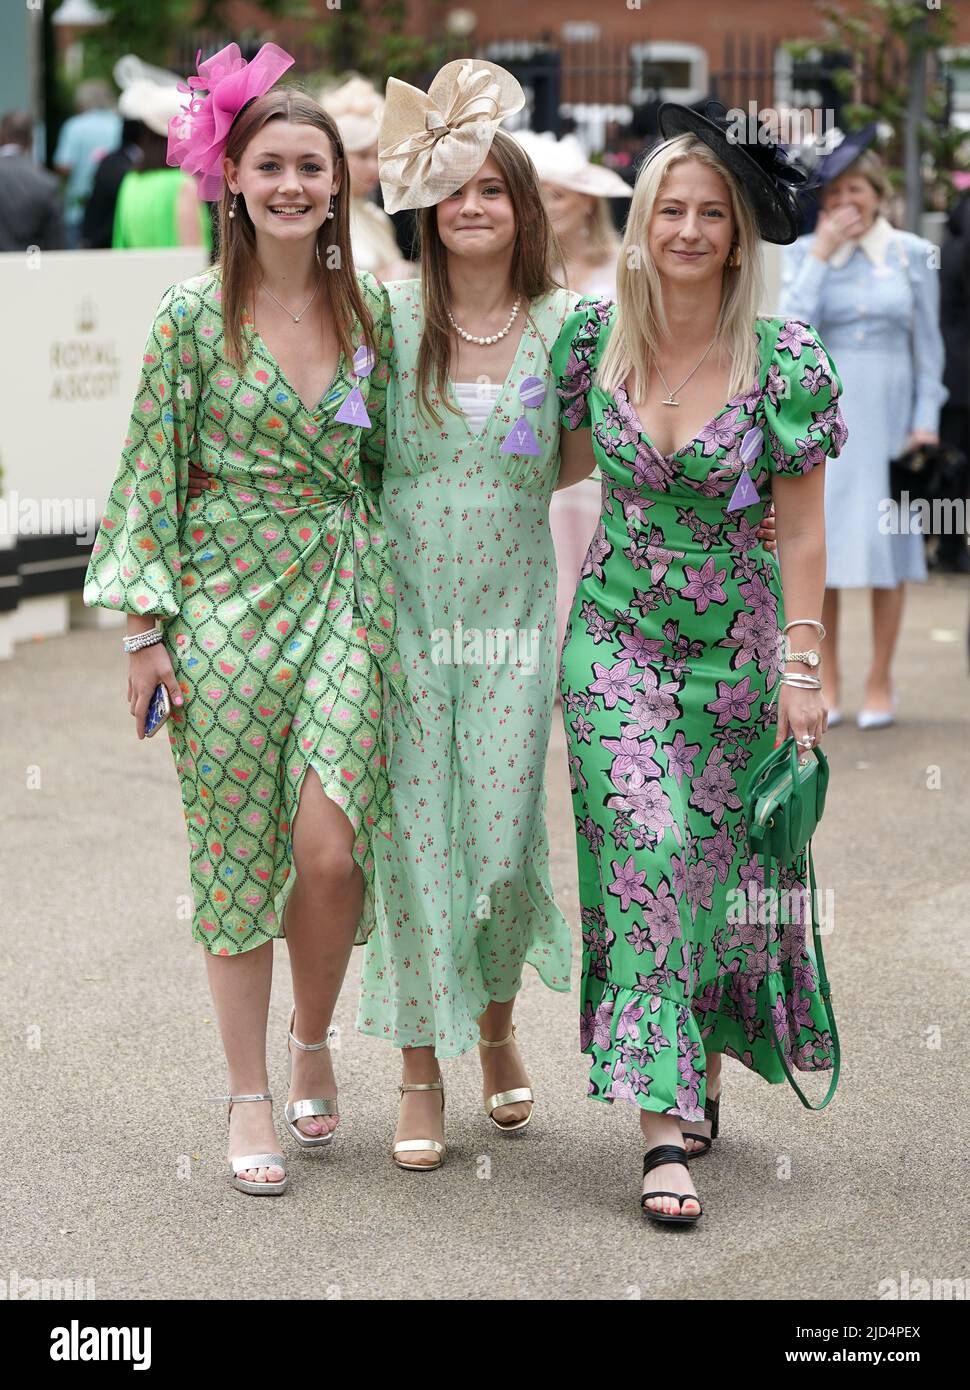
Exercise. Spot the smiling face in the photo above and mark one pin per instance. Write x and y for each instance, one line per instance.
(852, 191)
(692, 227)
(478, 220)
(286, 176)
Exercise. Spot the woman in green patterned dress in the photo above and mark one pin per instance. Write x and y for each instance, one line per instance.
(277, 642)
(673, 681)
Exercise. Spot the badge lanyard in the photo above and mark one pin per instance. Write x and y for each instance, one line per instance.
(521, 438)
(745, 493)
(354, 411)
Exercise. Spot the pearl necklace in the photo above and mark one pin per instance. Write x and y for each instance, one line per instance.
(492, 338)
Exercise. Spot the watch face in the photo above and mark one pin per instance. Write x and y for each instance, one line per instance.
(812, 658)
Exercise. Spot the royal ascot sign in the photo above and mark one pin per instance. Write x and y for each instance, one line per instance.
(80, 323)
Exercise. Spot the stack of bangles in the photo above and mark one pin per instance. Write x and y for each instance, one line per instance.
(802, 679)
(142, 639)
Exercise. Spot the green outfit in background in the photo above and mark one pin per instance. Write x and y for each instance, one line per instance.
(146, 214)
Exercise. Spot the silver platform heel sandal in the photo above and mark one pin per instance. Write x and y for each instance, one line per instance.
(240, 1165)
(305, 1109)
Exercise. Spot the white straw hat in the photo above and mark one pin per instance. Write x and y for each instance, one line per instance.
(563, 163)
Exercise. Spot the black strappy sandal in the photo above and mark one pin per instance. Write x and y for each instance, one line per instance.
(711, 1111)
(654, 1158)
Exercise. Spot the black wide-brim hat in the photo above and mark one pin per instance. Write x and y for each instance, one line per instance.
(761, 166)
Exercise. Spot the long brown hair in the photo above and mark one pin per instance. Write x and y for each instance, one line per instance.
(238, 263)
(535, 255)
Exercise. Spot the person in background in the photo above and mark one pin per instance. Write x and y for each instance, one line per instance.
(576, 194)
(357, 107)
(30, 197)
(873, 294)
(97, 225)
(157, 205)
(951, 552)
(84, 141)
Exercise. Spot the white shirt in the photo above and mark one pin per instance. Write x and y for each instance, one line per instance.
(476, 399)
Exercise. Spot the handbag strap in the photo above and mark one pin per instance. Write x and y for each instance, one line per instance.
(825, 990)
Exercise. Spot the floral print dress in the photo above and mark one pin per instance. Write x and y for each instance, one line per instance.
(466, 898)
(669, 685)
(274, 595)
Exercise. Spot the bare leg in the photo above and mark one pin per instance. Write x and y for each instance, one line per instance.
(421, 1111)
(887, 614)
(713, 1091)
(502, 1067)
(829, 650)
(240, 988)
(668, 1177)
(322, 913)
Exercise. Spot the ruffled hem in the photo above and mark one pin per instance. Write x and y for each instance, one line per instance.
(628, 1038)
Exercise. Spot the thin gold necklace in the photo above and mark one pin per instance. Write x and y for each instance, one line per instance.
(670, 394)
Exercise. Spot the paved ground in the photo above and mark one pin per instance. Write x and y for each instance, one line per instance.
(116, 1161)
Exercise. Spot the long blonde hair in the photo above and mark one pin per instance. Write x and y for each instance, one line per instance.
(535, 256)
(641, 321)
(238, 263)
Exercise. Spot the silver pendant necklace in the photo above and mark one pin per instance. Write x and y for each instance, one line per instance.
(671, 394)
(295, 317)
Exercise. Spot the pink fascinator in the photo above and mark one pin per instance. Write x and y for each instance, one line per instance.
(225, 82)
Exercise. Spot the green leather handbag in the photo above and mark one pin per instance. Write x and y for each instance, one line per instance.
(784, 806)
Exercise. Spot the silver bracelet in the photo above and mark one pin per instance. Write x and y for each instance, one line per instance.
(804, 682)
(142, 639)
(806, 622)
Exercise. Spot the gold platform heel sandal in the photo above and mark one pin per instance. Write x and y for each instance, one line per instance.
(247, 1161)
(406, 1146)
(307, 1109)
(513, 1097)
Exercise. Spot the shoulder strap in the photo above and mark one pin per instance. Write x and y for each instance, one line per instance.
(825, 990)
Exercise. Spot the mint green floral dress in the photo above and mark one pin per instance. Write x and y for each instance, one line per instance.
(466, 896)
(275, 598)
(669, 682)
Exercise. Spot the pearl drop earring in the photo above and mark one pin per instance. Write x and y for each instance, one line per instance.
(232, 208)
(330, 213)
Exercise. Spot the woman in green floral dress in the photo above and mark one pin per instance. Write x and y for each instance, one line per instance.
(671, 674)
(276, 602)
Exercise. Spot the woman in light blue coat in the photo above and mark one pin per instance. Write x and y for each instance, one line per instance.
(873, 294)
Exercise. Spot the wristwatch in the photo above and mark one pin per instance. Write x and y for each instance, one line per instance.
(810, 658)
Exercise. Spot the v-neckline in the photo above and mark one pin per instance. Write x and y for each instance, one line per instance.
(505, 384)
(317, 410)
(732, 403)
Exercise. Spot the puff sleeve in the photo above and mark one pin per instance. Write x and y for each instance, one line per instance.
(803, 418)
(373, 440)
(574, 356)
(135, 565)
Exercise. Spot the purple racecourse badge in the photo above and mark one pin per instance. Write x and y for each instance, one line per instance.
(354, 411)
(745, 493)
(520, 438)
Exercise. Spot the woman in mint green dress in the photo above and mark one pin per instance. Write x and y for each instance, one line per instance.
(472, 460)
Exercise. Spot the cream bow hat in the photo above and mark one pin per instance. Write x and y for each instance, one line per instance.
(357, 107)
(431, 143)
